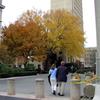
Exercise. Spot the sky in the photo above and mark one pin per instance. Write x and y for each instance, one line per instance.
(14, 8)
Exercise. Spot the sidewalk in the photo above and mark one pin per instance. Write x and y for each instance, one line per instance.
(56, 98)
(25, 89)
(4, 96)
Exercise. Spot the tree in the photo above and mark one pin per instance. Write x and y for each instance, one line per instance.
(64, 32)
(26, 36)
(35, 33)
(4, 55)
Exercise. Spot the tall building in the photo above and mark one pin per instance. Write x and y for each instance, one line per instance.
(90, 57)
(1, 7)
(74, 6)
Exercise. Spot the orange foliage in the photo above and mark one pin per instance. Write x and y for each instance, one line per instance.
(26, 36)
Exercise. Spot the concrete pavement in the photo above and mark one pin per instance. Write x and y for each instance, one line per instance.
(4, 96)
(55, 98)
(25, 87)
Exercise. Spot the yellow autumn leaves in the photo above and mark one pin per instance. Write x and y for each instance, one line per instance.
(65, 32)
(36, 32)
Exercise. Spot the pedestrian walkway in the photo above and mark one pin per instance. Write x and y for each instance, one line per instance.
(4, 96)
(55, 98)
(25, 88)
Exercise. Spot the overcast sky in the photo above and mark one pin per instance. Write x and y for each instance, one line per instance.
(14, 8)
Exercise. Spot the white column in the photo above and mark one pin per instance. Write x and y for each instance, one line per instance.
(11, 86)
(97, 15)
(39, 88)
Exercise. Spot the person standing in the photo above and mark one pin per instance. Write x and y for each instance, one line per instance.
(61, 76)
(52, 73)
(39, 69)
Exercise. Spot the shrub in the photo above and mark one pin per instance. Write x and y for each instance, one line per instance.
(6, 71)
(29, 67)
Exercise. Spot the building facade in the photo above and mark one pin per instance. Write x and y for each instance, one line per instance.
(90, 57)
(74, 6)
(1, 7)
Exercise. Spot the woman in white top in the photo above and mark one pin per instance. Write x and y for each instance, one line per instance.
(52, 73)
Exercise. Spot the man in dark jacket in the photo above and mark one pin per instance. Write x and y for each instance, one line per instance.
(61, 78)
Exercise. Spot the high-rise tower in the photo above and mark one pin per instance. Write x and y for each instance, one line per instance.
(73, 6)
(1, 7)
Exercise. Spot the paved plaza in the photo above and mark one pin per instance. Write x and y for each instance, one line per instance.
(26, 85)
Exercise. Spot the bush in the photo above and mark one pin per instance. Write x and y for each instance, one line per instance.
(5, 75)
(6, 71)
(5, 68)
(29, 67)
(86, 69)
(25, 73)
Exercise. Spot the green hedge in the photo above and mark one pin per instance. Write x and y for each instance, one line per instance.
(86, 69)
(6, 71)
(29, 67)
